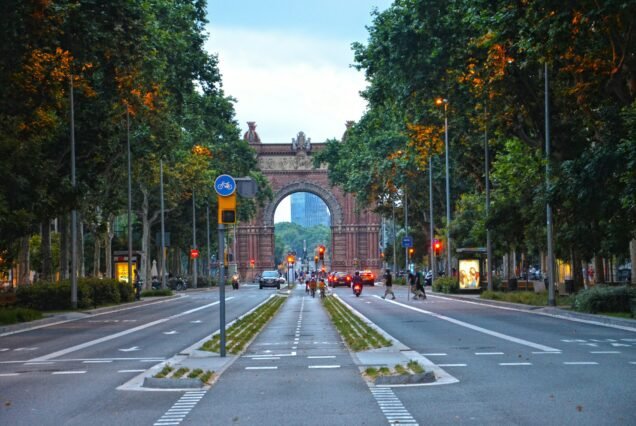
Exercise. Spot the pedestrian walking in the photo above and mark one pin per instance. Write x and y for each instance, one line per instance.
(411, 281)
(388, 283)
(419, 286)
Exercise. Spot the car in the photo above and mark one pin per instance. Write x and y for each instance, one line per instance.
(269, 279)
(341, 278)
(367, 278)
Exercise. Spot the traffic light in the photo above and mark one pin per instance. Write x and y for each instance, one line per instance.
(411, 251)
(437, 247)
(315, 259)
(227, 209)
(321, 252)
(291, 259)
(252, 263)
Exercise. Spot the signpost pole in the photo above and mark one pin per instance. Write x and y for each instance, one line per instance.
(222, 288)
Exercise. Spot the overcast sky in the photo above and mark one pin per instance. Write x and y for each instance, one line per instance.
(287, 63)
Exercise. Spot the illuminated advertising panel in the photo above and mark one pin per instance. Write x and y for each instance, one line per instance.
(468, 274)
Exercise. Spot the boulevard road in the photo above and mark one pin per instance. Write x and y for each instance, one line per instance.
(68, 373)
(513, 366)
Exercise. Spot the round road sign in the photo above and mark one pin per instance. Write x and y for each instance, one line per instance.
(224, 185)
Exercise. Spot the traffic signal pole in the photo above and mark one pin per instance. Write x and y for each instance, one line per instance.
(221, 229)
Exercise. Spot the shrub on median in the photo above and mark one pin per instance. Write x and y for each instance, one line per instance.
(446, 285)
(16, 315)
(91, 292)
(604, 299)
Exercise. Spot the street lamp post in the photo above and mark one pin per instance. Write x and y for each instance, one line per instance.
(194, 242)
(487, 173)
(163, 230)
(431, 220)
(74, 211)
(548, 207)
(442, 101)
(130, 277)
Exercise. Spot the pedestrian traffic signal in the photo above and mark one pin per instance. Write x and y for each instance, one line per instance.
(227, 209)
(321, 252)
(437, 247)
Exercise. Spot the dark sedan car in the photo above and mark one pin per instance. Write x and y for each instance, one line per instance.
(270, 279)
(341, 278)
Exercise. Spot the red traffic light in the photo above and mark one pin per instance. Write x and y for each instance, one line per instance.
(437, 247)
(252, 262)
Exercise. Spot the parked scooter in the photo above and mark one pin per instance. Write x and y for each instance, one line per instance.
(235, 281)
(177, 283)
(357, 289)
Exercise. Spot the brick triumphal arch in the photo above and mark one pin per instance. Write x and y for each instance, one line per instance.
(289, 168)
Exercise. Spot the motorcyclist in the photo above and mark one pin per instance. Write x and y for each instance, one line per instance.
(321, 287)
(312, 286)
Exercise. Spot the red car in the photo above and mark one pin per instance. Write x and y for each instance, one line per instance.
(341, 278)
(367, 278)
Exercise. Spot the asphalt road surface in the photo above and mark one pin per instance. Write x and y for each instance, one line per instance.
(513, 366)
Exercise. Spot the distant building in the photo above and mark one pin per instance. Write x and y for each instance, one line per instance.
(309, 210)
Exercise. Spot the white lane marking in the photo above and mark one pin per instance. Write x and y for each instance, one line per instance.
(131, 349)
(324, 366)
(70, 372)
(171, 332)
(9, 374)
(265, 358)
(604, 352)
(628, 340)
(547, 353)
(25, 349)
(514, 363)
(476, 328)
(581, 363)
(545, 314)
(623, 345)
(632, 362)
(121, 333)
(93, 315)
(436, 354)
(392, 408)
(196, 322)
(39, 363)
(131, 371)
(180, 409)
(97, 362)
(262, 368)
(452, 365)
(4, 349)
(321, 356)
(489, 353)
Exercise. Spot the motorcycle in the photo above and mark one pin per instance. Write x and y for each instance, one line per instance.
(235, 281)
(357, 289)
(177, 283)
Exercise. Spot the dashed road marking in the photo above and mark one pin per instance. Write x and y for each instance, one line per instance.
(505, 364)
(180, 409)
(9, 374)
(547, 353)
(98, 361)
(489, 353)
(392, 407)
(580, 363)
(452, 365)
(131, 371)
(70, 372)
(321, 356)
(262, 368)
(604, 352)
(324, 366)
(435, 354)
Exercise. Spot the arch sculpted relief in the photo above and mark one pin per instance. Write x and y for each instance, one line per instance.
(287, 163)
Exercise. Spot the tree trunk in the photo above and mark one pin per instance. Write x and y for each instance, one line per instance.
(145, 237)
(81, 267)
(45, 250)
(598, 270)
(586, 281)
(108, 246)
(632, 255)
(24, 267)
(97, 254)
(64, 251)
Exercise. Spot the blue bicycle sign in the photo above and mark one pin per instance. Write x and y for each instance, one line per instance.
(224, 185)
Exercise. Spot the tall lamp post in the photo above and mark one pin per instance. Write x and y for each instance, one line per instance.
(548, 207)
(431, 221)
(194, 242)
(163, 228)
(487, 173)
(439, 102)
(130, 277)
(74, 211)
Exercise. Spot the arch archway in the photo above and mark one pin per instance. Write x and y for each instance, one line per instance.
(289, 169)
